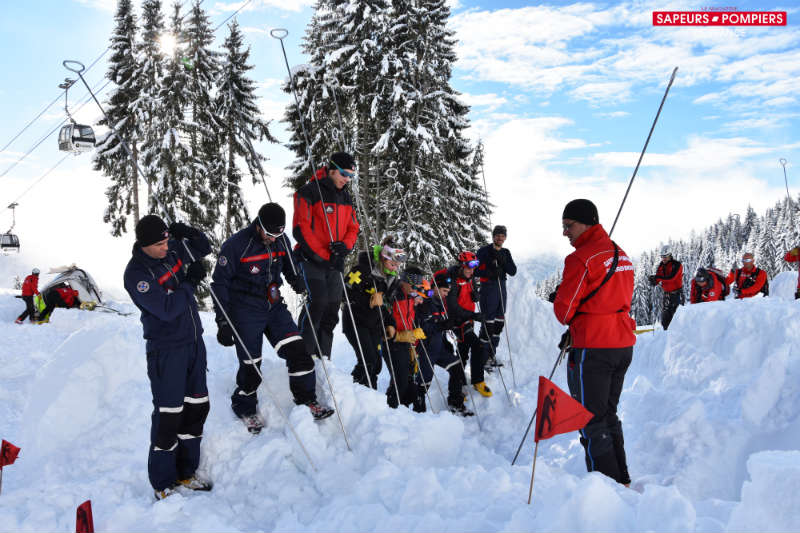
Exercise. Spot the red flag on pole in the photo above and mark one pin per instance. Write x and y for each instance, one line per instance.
(84, 522)
(557, 411)
(8, 453)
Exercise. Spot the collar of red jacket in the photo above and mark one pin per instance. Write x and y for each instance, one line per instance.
(592, 233)
(320, 174)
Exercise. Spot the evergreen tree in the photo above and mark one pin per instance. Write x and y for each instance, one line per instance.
(241, 126)
(110, 156)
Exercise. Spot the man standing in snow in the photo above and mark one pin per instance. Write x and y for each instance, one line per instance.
(748, 280)
(325, 228)
(495, 264)
(670, 276)
(30, 287)
(247, 282)
(176, 355)
(594, 299)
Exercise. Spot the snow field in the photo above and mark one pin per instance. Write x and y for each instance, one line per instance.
(709, 411)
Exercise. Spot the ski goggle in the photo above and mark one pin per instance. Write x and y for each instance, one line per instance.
(394, 254)
(747, 260)
(472, 264)
(415, 280)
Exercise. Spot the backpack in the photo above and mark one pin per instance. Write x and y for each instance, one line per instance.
(726, 290)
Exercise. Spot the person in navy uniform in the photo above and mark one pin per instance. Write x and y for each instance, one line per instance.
(163, 290)
(247, 281)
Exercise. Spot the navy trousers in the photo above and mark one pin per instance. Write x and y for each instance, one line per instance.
(180, 407)
(493, 301)
(324, 297)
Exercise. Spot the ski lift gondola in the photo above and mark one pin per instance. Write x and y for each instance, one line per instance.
(9, 242)
(74, 137)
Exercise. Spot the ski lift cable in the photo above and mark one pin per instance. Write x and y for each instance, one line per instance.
(48, 106)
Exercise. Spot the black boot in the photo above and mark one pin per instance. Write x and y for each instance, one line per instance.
(419, 401)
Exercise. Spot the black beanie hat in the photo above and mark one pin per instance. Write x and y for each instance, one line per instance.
(272, 218)
(150, 230)
(499, 230)
(342, 160)
(583, 211)
(442, 279)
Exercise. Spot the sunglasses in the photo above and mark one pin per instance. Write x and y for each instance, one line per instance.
(269, 234)
(343, 172)
(472, 264)
(566, 227)
(747, 260)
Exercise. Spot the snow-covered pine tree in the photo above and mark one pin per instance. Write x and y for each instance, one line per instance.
(110, 157)
(241, 126)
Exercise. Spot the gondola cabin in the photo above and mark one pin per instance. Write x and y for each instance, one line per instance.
(9, 242)
(76, 138)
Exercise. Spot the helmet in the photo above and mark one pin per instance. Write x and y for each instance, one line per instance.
(393, 254)
(468, 259)
(702, 275)
(665, 251)
(35, 271)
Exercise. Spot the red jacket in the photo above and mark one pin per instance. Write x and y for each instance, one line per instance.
(750, 282)
(31, 285)
(68, 296)
(792, 256)
(308, 223)
(459, 303)
(711, 293)
(603, 321)
(403, 313)
(670, 275)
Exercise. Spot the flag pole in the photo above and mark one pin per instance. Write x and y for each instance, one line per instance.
(1, 479)
(533, 470)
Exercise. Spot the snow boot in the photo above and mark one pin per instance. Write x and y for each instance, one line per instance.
(458, 408)
(195, 483)
(254, 423)
(18, 321)
(483, 389)
(319, 411)
(419, 401)
(161, 494)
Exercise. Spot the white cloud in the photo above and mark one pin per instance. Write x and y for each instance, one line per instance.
(490, 101)
(257, 5)
(103, 5)
(614, 114)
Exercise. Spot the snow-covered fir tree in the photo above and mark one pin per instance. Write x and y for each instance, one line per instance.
(110, 156)
(241, 127)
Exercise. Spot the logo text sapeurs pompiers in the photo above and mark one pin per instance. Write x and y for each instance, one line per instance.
(724, 18)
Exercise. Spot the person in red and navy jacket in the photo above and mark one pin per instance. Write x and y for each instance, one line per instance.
(464, 292)
(30, 287)
(793, 256)
(705, 287)
(669, 275)
(403, 334)
(59, 296)
(748, 280)
(325, 228)
(596, 307)
(247, 280)
(176, 355)
(495, 265)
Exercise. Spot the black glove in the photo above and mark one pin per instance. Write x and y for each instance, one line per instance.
(298, 285)
(478, 317)
(566, 341)
(552, 296)
(797, 294)
(196, 273)
(737, 292)
(224, 333)
(338, 248)
(652, 279)
(443, 323)
(179, 231)
(338, 262)
(501, 259)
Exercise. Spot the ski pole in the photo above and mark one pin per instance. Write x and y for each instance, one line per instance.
(281, 34)
(68, 64)
(558, 362)
(783, 163)
(491, 348)
(635, 170)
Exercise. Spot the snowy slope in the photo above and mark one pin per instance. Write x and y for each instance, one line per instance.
(710, 411)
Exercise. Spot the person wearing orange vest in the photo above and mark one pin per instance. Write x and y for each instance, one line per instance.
(670, 276)
(594, 300)
(65, 296)
(705, 287)
(30, 287)
(460, 304)
(748, 280)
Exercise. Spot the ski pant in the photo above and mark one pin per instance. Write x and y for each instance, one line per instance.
(324, 296)
(595, 377)
(29, 309)
(442, 354)
(468, 343)
(492, 301)
(399, 361)
(371, 346)
(180, 406)
(277, 325)
(669, 303)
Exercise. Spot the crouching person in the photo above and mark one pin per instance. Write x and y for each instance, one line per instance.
(247, 281)
(64, 296)
(176, 356)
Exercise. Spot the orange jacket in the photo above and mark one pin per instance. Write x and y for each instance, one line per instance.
(750, 282)
(603, 321)
(31, 285)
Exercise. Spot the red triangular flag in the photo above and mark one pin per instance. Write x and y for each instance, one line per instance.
(8, 453)
(84, 522)
(557, 411)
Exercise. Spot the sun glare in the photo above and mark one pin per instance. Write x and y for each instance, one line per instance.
(168, 43)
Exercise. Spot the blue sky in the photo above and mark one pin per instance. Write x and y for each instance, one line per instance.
(562, 93)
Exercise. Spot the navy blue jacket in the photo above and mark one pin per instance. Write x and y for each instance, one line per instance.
(431, 317)
(495, 264)
(158, 287)
(246, 267)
